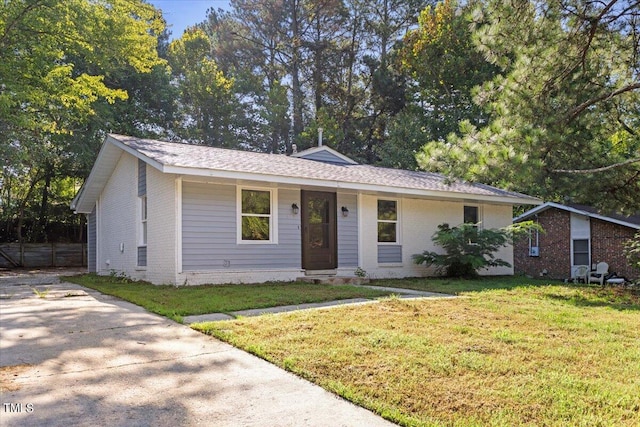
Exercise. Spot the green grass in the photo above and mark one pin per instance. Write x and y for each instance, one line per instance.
(459, 286)
(518, 355)
(176, 302)
(41, 293)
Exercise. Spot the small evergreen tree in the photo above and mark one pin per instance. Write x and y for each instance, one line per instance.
(468, 248)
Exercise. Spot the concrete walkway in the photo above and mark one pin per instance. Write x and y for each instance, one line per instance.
(401, 293)
(76, 357)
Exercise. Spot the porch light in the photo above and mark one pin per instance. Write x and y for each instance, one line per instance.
(345, 211)
(295, 209)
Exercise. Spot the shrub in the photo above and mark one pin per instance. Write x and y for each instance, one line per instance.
(469, 248)
(632, 251)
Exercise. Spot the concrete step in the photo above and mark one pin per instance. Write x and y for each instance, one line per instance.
(334, 280)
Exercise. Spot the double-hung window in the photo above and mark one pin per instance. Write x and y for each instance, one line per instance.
(471, 215)
(256, 216)
(388, 221)
(581, 252)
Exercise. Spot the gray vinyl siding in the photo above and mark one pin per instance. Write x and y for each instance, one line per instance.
(348, 231)
(209, 234)
(389, 254)
(91, 241)
(142, 191)
(326, 157)
(142, 256)
(142, 178)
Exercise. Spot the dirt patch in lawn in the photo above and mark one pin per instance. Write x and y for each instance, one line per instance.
(8, 375)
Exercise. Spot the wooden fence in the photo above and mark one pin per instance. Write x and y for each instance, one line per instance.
(30, 255)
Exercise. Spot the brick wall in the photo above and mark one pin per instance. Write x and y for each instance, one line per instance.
(607, 241)
(555, 247)
(554, 244)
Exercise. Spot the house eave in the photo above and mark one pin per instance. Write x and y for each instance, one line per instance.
(351, 186)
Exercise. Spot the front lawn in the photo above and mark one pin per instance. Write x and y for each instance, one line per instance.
(175, 302)
(534, 355)
(457, 286)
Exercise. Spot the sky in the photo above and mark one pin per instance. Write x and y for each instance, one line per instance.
(181, 14)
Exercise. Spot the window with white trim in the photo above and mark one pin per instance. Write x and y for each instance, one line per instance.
(256, 222)
(387, 221)
(581, 252)
(471, 215)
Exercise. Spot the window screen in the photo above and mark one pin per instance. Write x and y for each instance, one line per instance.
(387, 221)
(256, 215)
(471, 214)
(581, 252)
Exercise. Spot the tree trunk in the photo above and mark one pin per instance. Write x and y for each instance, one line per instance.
(296, 86)
(22, 207)
(43, 218)
(350, 101)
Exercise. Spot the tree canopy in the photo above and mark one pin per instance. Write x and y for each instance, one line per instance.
(58, 63)
(564, 109)
(206, 96)
(541, 97)
(442, 62)
(56, 55)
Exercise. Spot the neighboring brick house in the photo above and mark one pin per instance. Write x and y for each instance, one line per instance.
(573, 235)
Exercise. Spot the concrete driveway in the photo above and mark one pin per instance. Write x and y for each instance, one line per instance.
(77, 357)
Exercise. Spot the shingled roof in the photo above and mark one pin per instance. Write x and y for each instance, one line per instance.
(198, 160)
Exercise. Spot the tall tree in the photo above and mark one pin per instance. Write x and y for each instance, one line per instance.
(385, 24)
(255, 37)
(334, 87)
(443, 66)
(565, 121)
(275, 45)
(56, 59)
(296, 29)
(42, 90)
(331, 56)
(328, 19)
(206, 93)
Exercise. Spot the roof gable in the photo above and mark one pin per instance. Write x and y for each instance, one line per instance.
(588, 211)
(326, 155)
(102, 169)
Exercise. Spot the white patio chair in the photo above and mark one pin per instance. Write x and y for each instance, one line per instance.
(580, 274)
(598, 276)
